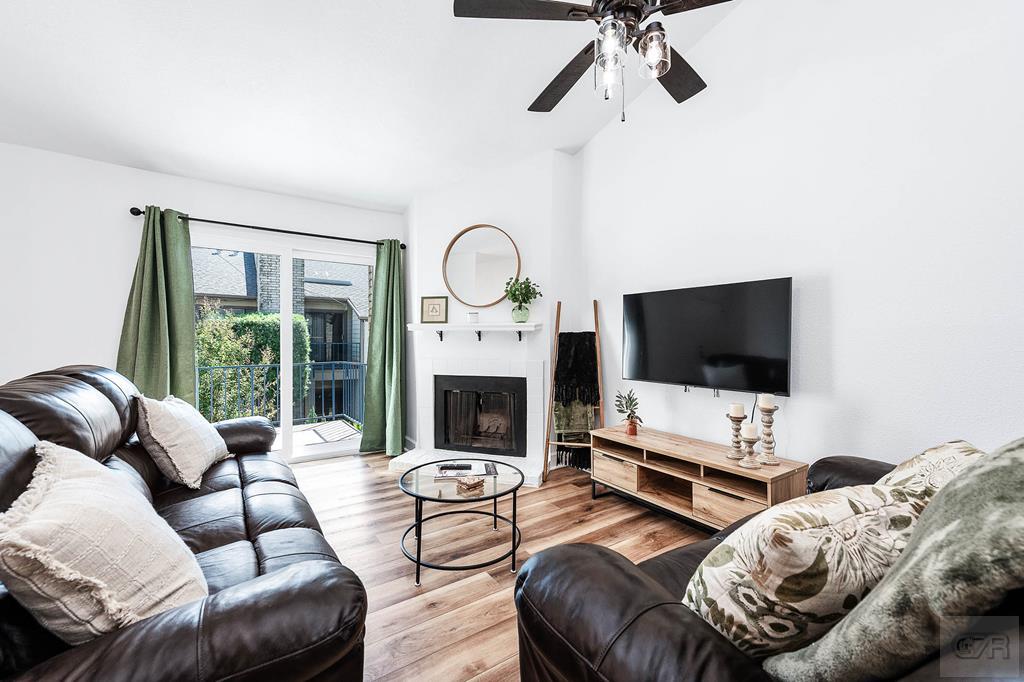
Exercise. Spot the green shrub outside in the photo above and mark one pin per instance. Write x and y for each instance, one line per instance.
(251, 340)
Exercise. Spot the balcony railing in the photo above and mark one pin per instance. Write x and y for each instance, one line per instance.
(321, 351)
(323, 391)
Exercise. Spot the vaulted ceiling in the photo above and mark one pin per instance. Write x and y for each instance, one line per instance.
(363, 102)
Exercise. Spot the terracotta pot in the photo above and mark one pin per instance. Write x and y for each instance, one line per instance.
(630, 428)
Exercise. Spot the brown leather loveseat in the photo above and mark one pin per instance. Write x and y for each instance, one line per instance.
(281, 605)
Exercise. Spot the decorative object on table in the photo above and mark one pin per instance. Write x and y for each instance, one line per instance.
(469, 485)
(785, 577)
(748, 434)
(521, 293)
(478, 259)
(963, 557)
(473, 317)
(766, 405)
(434, 309)
(627, 405)
(737, 415)
(576, 395)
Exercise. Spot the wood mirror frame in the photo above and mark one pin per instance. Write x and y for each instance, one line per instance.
(451, 244)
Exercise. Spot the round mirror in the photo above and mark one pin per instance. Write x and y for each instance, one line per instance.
(478, 262)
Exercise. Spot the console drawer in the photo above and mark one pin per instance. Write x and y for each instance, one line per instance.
(615, 472)
(721, 509)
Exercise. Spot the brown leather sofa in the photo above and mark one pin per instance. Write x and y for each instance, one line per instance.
(281, 605)
(588, 613)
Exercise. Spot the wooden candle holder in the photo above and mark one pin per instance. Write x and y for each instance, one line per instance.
(767, 456)
(737, 446)
(749, 460)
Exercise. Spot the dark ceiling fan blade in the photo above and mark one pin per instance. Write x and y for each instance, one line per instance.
(677, 6)
(524, 9)
(681, 81)
(564, 81)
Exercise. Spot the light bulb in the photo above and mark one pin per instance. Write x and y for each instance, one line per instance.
(607, 82)
(656, 54)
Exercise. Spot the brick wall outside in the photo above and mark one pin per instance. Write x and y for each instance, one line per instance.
(268, 284)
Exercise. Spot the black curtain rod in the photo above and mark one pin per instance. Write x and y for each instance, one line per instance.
(135, 211)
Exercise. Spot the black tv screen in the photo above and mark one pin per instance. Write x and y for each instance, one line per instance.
(732, 337)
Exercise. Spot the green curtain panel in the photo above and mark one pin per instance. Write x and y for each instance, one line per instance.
(158, 338)
(384, 411)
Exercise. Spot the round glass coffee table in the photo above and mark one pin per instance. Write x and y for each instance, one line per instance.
(420, 483)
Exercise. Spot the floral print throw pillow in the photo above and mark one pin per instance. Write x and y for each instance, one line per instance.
(787, 576)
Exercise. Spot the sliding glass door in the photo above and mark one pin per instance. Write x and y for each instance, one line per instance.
(330, 370)
(307, 375)
(238, 334)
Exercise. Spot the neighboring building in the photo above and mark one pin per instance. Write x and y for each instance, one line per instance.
(334, 297)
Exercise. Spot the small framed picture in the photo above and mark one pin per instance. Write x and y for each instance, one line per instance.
(434, 309)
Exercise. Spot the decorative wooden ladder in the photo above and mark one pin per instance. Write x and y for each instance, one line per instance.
(548, 441)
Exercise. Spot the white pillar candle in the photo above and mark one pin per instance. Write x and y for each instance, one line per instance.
(766, 400)
(736, 409)
(748, 430)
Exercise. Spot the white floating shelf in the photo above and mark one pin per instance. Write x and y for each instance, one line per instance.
(440, 329)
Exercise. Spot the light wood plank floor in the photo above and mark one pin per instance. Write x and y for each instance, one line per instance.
(460, 625)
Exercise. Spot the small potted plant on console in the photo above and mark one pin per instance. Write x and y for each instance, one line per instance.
(521, 292)
(627, 405)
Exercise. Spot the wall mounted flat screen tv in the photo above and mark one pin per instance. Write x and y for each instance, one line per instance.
(733, 337)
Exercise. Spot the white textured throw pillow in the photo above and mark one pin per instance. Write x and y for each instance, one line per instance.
(86, 554)
(179, 439)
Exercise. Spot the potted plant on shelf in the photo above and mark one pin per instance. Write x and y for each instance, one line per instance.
(521, 292)
(627, 405)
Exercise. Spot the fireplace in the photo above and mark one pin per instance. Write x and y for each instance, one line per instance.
(480, 415)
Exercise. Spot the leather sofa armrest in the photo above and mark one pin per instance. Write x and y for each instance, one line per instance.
(246, 435)
(290, 624)
(840, 471)
(588, 613)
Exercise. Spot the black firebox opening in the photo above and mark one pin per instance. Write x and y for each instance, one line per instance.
(482, 415)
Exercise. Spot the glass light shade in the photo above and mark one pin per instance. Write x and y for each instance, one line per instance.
(607, 82)
(610, 46)
(655, 53)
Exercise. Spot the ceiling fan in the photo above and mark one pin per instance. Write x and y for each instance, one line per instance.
(619, 26)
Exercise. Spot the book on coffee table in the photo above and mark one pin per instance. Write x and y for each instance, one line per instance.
(482, 469)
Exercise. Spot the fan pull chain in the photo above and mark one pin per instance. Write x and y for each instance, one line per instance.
(623, 95)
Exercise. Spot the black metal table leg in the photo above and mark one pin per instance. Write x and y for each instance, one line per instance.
(495, 525)
(419, 537)
(514, 531)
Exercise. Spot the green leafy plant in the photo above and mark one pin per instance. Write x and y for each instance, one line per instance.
(521, 292)
(628, 405)
(239, 357)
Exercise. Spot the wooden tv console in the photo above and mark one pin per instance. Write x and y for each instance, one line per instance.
(689, 477)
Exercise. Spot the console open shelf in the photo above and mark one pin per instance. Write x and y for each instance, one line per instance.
(690, 477)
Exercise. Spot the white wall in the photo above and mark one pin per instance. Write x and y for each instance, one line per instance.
(535, 200)
(873, 152)
(68, 247)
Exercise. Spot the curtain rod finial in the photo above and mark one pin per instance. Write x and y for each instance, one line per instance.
(136, 211)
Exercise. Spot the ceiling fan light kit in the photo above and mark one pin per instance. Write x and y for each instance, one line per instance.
(620, 26)
(655, 53)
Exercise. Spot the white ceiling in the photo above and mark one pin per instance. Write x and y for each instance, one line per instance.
(359, 102)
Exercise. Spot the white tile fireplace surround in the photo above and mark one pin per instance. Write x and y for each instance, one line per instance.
(445, 365)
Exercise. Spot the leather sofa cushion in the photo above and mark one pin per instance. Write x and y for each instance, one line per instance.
(65, 411)
(248, 518)
(116, 387)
